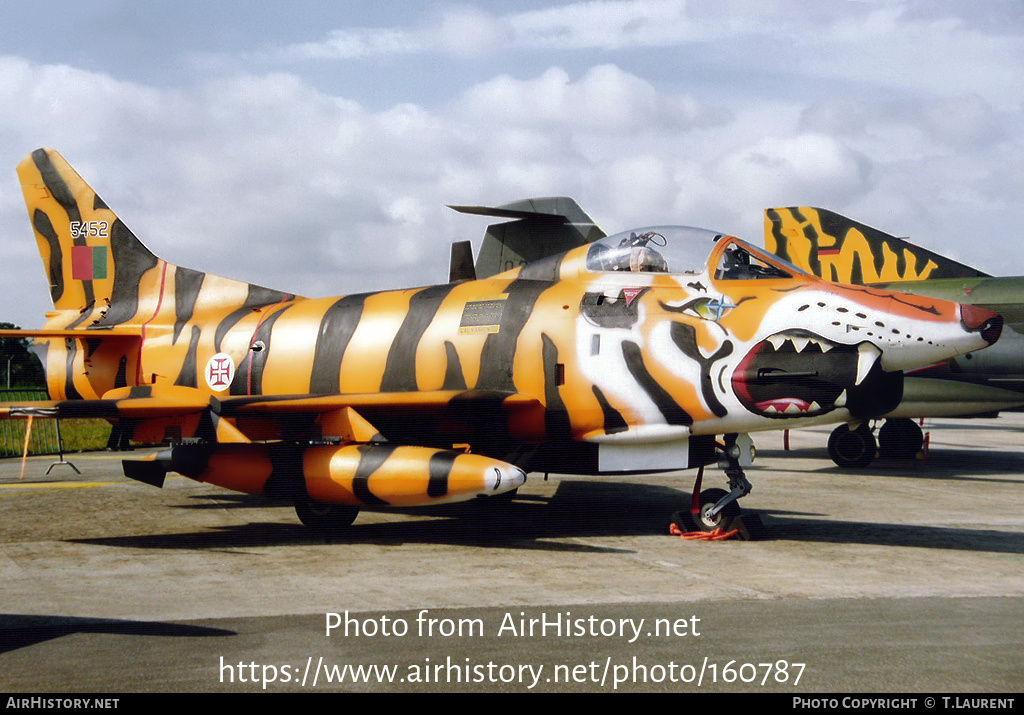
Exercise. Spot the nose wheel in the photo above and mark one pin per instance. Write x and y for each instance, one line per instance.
(708, 518)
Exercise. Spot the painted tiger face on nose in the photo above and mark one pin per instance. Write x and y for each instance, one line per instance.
(678, 357)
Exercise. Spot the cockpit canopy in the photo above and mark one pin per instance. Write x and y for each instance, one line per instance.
(684, 249)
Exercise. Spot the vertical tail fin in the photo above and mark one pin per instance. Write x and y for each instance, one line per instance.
(91, 259)
(99, 271)
(839, 249)
(113, 297)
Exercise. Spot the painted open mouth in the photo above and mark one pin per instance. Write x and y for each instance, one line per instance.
(796, 373)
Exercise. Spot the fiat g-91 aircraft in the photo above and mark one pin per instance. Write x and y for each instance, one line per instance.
(628, 354)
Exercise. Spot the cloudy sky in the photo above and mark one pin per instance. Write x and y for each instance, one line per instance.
(311, 146)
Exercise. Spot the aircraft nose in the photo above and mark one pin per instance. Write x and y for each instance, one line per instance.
(980, 320)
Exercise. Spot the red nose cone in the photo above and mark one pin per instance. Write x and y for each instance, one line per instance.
(979, 320)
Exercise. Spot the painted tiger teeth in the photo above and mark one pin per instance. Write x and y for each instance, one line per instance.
(867, 353)
(792, 408)
(799, 342)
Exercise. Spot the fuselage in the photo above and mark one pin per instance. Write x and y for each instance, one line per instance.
(627, 354)
(612, 354)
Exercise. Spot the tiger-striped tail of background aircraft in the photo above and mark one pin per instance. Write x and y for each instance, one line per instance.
(840, 249)
(626, 354)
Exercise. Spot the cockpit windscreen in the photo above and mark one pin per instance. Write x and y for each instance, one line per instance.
(658, 249)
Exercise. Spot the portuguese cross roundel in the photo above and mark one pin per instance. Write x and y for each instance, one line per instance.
(220, 371)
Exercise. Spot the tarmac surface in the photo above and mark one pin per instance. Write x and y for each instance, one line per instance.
(905, 576)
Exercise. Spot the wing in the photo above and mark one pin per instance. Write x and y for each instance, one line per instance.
(161, 413)
(327, 448)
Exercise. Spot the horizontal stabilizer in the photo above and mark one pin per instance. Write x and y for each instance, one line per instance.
(556, 208)
(542, 227)
(150, 402)
(433, 399)
(140, 402)
(500, 212)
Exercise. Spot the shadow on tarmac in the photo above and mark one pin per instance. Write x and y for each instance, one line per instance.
(20, 631)
(947, 464)
(579, 508)
(880, 534)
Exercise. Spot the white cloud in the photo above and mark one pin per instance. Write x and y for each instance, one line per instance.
(605, 100)
(603, 24)
(899, 45)
(354, 43)
(940, 54)
(468, 32)
(462, 31)
(805, 164)
(607, 24)
(266, 177)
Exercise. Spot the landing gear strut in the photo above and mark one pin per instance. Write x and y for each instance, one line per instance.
(716, 509)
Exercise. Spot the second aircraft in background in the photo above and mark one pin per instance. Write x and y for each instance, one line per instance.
(840, 249)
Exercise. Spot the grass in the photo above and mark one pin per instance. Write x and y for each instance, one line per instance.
(80, 435)
(84, 435)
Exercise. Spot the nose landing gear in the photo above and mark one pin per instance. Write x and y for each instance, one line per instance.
(715, 511)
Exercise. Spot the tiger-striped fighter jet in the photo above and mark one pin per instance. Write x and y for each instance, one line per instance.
(627, 354)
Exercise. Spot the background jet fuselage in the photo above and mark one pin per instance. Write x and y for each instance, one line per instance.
(838, 248)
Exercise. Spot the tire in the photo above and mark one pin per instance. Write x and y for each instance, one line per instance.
(852, 448)
(900, 439)
(326, 518)
(723, 519)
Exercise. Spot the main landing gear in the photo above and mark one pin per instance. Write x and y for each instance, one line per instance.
(325, 519)
(715, 511)
(898, 438)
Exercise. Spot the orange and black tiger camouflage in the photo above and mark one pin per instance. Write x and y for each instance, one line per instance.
(836, 248)
(449, 391)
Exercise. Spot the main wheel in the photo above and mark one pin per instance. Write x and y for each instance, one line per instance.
(723, 519)
(325, 517)
(852, 448)
(900, 438)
